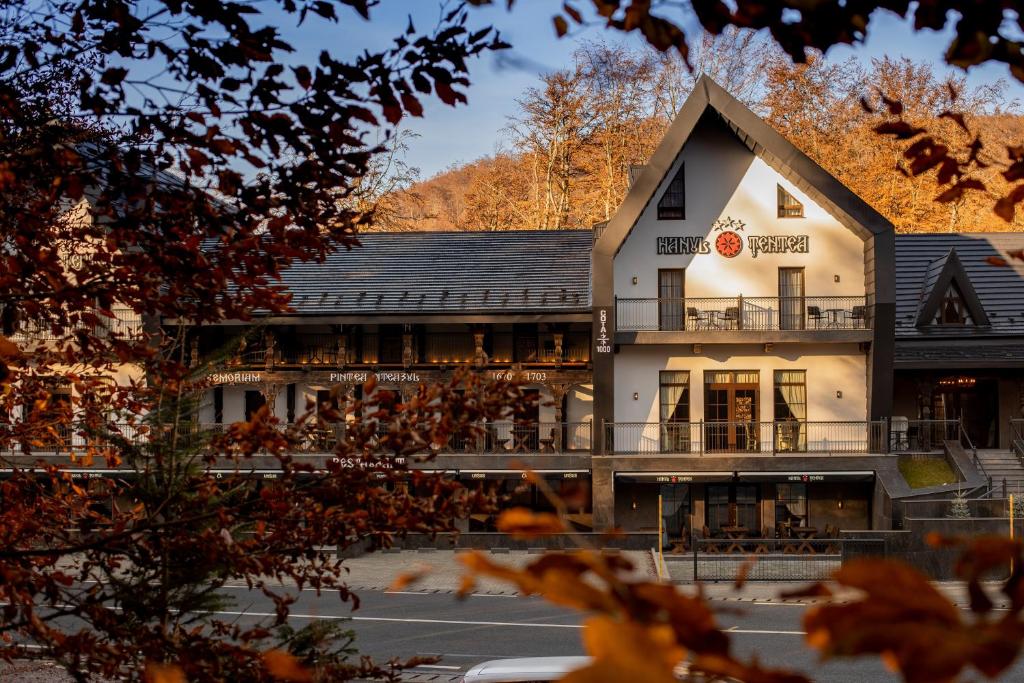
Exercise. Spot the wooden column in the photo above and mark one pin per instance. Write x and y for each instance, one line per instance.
(559, 355)
(268, 342)
(407, 351)
(480, 358)
(193, 358)
(269, 392)
(342, 348)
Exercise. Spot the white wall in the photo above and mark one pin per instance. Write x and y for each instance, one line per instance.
(725, 179)
(830, 368)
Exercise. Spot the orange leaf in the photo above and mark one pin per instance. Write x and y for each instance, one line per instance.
(286, 667)
(157, 672)
(522, 523)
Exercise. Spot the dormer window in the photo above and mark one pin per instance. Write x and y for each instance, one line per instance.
(789, 207)
(673, 203)
(953, 309)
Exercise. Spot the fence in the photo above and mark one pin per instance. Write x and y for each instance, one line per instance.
(753, 438)
(762, 313)
(771, 559)
(483, 438)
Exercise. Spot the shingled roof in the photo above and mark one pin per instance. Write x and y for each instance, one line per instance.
(1000, 290)
(527, 271)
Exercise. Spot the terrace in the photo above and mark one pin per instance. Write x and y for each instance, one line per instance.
(744, 314)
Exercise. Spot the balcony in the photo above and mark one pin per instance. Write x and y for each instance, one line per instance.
(778, 438)
(740, 314)
(498, 438)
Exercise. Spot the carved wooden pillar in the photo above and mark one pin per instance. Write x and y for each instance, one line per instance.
(480, 358)
(559, 338)
(268, 342)
(342, 348)
(558, 392)
(269, 392)
(193, 358)
(407, 351)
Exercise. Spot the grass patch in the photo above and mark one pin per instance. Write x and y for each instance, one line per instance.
(923, 472)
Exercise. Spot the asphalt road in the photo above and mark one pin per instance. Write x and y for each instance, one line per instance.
(466, 632)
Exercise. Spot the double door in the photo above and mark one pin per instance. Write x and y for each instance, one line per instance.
(731, 401)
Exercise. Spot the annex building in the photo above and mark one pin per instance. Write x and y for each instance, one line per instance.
(745, 339)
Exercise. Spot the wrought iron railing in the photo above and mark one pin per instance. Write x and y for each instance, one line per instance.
(921, 436)
(764, 438)
(483, 438)
(125, 324)
(762, 313)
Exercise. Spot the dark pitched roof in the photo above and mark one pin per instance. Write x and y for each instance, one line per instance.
(534, 271)
(921, 258)
(941, 273)
(925, 355)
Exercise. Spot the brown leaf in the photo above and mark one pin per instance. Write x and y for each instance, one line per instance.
(522, 523)
(561, 25)
(284, 666)
(8, 349)
(406, 579)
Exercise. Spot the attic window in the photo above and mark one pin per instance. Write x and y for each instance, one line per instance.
(953, 309)
(789, 207)
(672, 205)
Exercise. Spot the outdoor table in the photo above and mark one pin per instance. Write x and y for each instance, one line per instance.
(805, 534)
(833, 316)
(520, 440)
(734, 533)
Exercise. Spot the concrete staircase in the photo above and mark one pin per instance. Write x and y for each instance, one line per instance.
(1002, 464)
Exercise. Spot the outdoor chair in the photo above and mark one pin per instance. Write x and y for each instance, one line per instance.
(697, 319)
(732, 316)
(899, 438)
(858, 316)
(814, 313)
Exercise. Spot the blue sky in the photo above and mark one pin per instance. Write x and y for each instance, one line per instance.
(449, 135)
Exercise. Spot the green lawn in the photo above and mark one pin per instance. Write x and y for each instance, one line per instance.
(927, 472)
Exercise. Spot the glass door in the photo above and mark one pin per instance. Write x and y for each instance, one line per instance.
(791, 298)
(670, 299)
(731, 411)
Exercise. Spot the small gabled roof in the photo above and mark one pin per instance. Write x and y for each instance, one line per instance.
(941, 273)
(710, 98)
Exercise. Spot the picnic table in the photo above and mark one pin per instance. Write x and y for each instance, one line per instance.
(735, 533)
(805, 534)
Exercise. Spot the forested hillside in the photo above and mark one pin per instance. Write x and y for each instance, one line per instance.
(568, 150)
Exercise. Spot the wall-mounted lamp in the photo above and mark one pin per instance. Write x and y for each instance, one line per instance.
(635, 279)
(839, 394)
(836, 278)
(636, 396)
(634, 505)
(839, 503)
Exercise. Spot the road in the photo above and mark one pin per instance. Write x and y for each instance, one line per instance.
(482, 627)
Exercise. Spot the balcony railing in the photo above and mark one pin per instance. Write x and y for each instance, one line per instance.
(125, 325)
(486, 438)
(772, 438)
(762, 313)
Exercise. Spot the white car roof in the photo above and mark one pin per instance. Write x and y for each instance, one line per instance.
(524, 669)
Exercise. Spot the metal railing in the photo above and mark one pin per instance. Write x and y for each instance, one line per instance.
(777, 559)
(761, 313)
(775, 438)
(126, 324)
(483, 438)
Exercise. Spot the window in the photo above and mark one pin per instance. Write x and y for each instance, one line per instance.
(670, 299)
(790, 410)
(953, 309)
(789, 207)
(791, 504)
(673, 203)
(674, 399)
(791, 298)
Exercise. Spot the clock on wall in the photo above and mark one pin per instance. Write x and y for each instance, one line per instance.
(728, 243)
